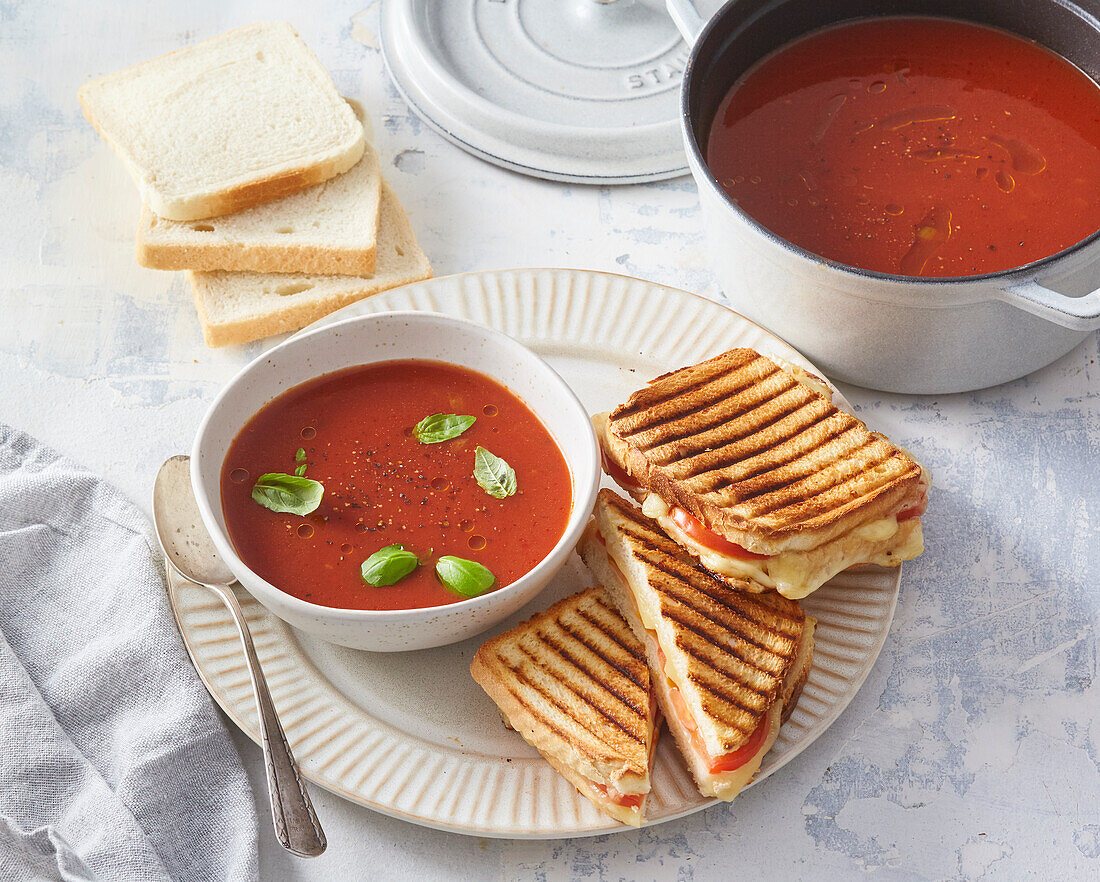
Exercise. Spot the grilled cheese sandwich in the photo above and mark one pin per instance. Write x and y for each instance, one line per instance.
(573, 681)
(727, 665)
(750, 467)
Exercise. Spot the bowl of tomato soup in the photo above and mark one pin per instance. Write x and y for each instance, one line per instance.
(907, 191)
(396, 481)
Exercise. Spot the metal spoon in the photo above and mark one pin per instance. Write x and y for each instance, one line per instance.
(190, 552)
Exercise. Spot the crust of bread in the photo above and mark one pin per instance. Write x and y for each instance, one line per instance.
(400, 262)
(796, 678)
(255, 192)
(236, 257)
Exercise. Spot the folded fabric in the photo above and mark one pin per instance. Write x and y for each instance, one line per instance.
(114, 763)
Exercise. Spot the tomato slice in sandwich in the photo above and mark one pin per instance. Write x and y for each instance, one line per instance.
(694, 528)
(731, 761)
(616, 473)
(627, 800)
(728, 762)
(916, 511)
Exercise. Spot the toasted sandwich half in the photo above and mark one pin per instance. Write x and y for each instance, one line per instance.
(728, 664)
(749, 465)
(573, 681)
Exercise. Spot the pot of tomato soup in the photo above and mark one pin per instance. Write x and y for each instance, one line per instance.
(907, 191)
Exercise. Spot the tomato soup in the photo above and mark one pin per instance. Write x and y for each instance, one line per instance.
(914, 146)
(357, 433)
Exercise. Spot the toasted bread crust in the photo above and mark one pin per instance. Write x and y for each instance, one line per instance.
(797, 676)
(574, 683)
(733, 650)
(400, 261)
(758, 456)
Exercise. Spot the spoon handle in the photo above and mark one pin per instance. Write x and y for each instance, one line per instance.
(296, 824)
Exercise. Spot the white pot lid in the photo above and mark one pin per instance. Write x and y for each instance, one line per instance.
(570, 90)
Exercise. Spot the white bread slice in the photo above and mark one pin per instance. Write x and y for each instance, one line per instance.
(239, 307)
(328, 229)
(229, 123)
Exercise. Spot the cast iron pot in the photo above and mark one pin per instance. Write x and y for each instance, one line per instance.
(895, 333)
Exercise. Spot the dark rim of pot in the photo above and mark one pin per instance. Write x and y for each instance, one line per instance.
(716, 28)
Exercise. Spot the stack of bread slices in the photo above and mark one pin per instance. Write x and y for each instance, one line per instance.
(257, 180)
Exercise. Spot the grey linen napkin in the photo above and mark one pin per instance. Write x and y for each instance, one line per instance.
(114, 764)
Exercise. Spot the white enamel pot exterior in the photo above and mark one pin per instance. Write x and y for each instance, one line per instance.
(894, 333)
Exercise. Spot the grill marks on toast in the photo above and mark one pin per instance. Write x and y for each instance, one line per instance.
(676, 422)
(533, 672)
(789, 413)
(634, 671)
(738, 646)
(685, 381)
(579, 671)
(740, 434)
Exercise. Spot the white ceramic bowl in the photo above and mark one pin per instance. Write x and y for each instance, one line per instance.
(382, 337)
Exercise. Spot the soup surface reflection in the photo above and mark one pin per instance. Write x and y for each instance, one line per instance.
(914, 146)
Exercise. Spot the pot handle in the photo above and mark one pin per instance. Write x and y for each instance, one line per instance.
(686, 18)
(1075, 313)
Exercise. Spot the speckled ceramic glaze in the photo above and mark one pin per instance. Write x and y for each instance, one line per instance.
(363, 340)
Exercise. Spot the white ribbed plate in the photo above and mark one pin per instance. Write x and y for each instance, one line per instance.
(411, 734)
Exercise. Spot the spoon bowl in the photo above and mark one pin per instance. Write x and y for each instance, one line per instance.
(182, 535)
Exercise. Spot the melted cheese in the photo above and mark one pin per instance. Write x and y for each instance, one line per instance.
(811, 381)
(794, 574)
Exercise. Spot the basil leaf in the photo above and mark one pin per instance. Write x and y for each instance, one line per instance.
(442, 427)
(300, 455)
(388, 565)
(493, 474)
(467, 578)
(288, 493)
(301, 470)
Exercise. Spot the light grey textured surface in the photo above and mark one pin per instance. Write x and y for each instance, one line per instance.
(973, 747)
